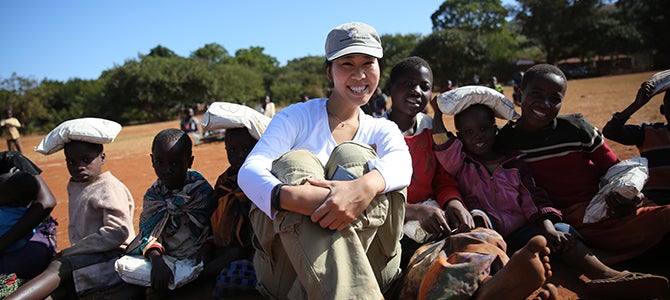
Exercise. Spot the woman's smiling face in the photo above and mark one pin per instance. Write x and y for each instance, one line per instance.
(355, 77)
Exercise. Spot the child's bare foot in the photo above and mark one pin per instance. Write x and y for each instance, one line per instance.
(547, 292)
(526, 271)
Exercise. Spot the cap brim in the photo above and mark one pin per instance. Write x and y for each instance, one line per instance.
(375, 52)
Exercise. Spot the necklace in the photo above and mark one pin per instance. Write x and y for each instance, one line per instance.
(340, 122)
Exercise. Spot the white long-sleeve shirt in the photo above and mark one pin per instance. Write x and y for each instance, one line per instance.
(305, 126)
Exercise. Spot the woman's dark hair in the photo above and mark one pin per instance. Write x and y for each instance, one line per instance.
(538, 71)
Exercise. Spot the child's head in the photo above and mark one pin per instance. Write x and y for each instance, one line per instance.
(84, 160)
(18, 189)
(171, 157)
(411, 84)
(476, 126)
(542, 89)
(239, 143)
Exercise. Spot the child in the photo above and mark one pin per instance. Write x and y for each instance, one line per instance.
(474, 254)
(230, 221)
(17, 190)
(568, 156)
(174, 223)
(500, 184)
(101, 225)
(189, 124)
(36, 254)
(319, 238)
(653, 141)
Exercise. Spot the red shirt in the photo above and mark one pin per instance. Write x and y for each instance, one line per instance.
(429, 179)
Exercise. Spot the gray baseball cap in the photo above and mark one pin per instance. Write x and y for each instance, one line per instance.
(353, 37)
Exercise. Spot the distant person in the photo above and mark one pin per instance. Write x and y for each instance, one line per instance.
(496, 85)
(475, 79)
(652, 140)
(303, 98)
(190, 124)
(379, 102)
(516, 78)
(266, 107)
(10, 128)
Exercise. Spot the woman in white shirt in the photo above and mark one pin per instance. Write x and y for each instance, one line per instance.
(326, 239)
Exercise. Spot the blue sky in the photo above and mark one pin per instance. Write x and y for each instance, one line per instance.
(60, 40)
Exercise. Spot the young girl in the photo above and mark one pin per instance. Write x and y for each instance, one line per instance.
(500, 184)
(320, 238)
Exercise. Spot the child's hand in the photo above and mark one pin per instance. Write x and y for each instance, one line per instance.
(644, 93)
(557, 241)
(618, 206)
(432, 219)
(438, 123)
(161, 275)
(459, 216)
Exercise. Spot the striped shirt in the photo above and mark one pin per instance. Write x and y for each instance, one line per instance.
(567, 157)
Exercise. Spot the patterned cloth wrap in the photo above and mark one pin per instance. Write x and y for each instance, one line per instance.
(9, 283)
(230, 221)
(240, 276)
(454, 267)
(164, 211)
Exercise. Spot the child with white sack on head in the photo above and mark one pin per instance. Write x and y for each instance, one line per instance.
(233, 252)
(500, 183)
(100, 210)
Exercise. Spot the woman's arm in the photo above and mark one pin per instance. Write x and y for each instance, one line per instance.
(39, 209)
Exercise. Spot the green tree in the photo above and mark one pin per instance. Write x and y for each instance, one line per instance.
(397, 47)
(479, 15)
(160, 51)
(212, 52)
(255, 58)
(304, 75)
(651, 19)
(453, 54)
(18, 93)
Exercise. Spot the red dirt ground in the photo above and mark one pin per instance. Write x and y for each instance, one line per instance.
(128, 156)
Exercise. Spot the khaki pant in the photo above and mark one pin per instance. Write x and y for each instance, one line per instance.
(297, 259)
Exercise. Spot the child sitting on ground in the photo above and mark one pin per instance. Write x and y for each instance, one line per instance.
(36, 254)
(475, 257)
(100, 208)
(501, 184)
(17, 191)
(174, 223)
(232, 256)
(568, 157)
(652, 140)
